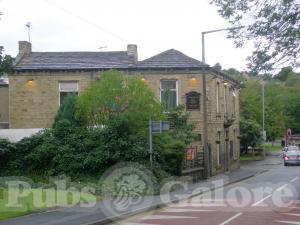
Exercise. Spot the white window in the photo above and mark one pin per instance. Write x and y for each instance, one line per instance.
(218, 97)
(169, 94)
(67, 87)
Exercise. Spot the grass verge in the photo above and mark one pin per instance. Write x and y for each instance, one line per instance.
(15, 202)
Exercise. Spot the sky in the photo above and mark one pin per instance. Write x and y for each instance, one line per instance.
(90, 25)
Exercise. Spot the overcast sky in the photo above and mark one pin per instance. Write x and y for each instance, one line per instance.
(155, 26)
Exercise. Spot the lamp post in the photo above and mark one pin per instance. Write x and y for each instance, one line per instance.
(205, 144)
(264, 135)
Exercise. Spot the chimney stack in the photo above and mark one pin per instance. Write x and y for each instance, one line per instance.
(132, 52)
(24, 48)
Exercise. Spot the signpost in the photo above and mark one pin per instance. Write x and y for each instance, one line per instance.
(156, 127)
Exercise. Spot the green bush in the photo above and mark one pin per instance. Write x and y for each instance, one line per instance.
(6, 152)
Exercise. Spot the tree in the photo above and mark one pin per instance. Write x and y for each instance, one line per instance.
(274, 26)
(6, 63)
(67, 111)
(117, 96)
(284, 73)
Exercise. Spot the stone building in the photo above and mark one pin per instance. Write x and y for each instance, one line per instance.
(42, 79)
(3, 102)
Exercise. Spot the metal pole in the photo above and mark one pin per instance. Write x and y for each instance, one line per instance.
(205, 149)
(263, 106)
(150, 143)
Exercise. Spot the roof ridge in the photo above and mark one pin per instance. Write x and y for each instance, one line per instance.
(82, 52)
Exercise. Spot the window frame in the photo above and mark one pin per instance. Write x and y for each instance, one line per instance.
(176, 90)
(59, 89)
(218, 109)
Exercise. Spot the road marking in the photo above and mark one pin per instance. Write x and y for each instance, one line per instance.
(292, 214)
(294, 207)
(260, 201)
(133, 224)
(289, 222)
(282, 187)
(293, 180)
(167, 217)
(231, 218)
(188, 210)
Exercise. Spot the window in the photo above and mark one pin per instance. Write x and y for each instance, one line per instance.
(231, 150)
(219, 160)
(169, 93)
(225, 98)
(218, 97)
(234, 145)
(67, 87)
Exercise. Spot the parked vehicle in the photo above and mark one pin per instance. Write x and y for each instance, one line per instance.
(291, 155)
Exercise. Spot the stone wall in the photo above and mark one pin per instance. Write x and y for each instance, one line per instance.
(4, 104)
(34, 97)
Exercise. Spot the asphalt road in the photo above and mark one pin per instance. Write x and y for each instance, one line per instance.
(268, 198)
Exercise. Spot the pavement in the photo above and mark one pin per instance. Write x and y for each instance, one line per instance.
(100, 213)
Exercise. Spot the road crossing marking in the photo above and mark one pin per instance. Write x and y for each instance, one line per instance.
(292, 214)
(293, 180)
(231, 218)
(289, 222)
(260, 201)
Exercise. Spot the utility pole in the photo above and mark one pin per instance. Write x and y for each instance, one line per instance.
(263, 118)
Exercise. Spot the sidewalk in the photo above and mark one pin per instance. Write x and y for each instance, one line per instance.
(98, 214)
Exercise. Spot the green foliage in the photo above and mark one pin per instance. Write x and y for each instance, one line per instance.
(182, 128)
(67, 111)
(6, 152)
(284, 73)
(274, 26)
(292, 110)
(250, 133)
(116, 96)
(6, 63)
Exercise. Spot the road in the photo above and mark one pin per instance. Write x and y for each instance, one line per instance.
(269, 198)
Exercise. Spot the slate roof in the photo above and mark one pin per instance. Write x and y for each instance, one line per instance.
(171, 59)
(74, 60)
(104, 60)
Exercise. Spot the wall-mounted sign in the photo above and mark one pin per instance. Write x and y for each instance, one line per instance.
(191, 153)
(193, 101)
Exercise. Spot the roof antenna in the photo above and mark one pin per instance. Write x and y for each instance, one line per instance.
(102, 47)
(28, 25)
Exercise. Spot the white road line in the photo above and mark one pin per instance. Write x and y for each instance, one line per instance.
(289, 222)
(292, 214)
(282, 187)
(293, 180)
(231, 218)
(188, 210)
(167, 217)
(260, 201)
(294, 207)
